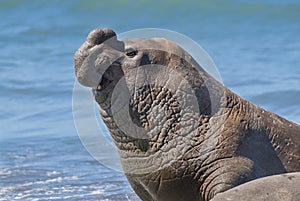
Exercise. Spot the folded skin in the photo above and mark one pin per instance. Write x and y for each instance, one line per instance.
(180, 134)
(283, 187)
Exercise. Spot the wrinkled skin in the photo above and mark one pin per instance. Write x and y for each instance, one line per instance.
(180, 150)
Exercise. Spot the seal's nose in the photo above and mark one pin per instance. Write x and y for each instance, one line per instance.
(98, 36)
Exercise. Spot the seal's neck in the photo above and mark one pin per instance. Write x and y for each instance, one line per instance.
(284, 137)
(272, 132)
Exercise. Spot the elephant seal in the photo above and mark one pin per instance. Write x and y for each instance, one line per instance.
(283, 187)
(180, 134)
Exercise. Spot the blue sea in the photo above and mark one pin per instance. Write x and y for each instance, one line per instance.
(254, 44)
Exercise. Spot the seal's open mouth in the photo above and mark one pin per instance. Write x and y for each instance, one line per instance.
(112, 73)
(103, 83)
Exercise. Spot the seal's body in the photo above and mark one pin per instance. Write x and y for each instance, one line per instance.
(180, 134)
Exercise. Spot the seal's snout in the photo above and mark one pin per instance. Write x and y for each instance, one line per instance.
(101, 45)
(98, 36)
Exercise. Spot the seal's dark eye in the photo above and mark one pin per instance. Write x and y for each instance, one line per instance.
(132, 53)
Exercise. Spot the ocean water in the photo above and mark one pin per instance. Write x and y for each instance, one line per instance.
(255, 45)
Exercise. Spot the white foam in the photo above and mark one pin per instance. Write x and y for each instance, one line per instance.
(5, 172)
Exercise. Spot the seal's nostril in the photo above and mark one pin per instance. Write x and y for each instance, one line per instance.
(98, 36)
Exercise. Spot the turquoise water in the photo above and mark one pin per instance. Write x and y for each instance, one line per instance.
(255, 45)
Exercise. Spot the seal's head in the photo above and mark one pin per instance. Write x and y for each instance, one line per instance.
(102, 60)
